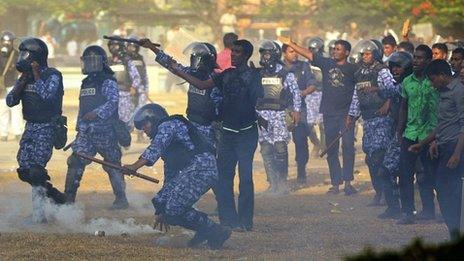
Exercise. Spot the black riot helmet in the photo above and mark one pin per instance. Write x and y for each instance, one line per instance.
(153, 113)
(270, 53)
(365, 46)
(117, 48)
(31, 49)
(402, 60)
(6, 44)
(133, 48)
(202, 56)
(94, 60)
(316, 45)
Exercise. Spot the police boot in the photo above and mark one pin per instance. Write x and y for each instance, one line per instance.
(267, 152)
(38, 205)
(281, 163)
(217, 236)
(73, 177)
(201, 236)
(55, 194)
(119, 189)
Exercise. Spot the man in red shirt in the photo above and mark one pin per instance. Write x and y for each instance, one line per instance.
(223, 58)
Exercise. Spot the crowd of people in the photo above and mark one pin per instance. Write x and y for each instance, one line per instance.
(409, 98)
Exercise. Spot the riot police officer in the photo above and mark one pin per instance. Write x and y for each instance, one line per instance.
(281, 92)
(98, 112)
(142, 90)
(9, 117)
(128, 79)
(40, 90)
(400, 66)
(302, 131)
(374, 109)
(190, 171)
(201, 104)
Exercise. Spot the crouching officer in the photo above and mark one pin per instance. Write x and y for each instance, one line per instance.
(98, 111)
(40, 90)
(189, 172)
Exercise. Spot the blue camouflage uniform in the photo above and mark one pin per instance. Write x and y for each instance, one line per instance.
(205, 128)
(97, 136)
(273, 140)
(182, 187)
(126, 106)
(378, 134)
(36, 144)
(42, 101)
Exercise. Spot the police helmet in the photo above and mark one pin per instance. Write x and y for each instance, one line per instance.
(400, 59)
(362, 47)
(202, 55)
(133, 48)
(153, 113)
(94, 60)
(6, 44)
(31, 49)
(316, 44)
(270, 54)
(117, 48)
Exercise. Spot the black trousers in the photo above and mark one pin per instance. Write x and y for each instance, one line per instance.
(236, 148)
(333, 126)
(424, 176)
(449, 185)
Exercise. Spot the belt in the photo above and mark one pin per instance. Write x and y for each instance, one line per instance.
(240, 130)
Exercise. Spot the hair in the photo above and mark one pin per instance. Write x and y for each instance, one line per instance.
(424, 48)
(459, 50)
(440, 46)
(390, 40)
(247, 47)
(229, 39)
(407, 46)
(438, 67)
(285, 47)
(345, 44)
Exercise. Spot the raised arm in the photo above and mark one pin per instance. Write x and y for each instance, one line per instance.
(300, 50)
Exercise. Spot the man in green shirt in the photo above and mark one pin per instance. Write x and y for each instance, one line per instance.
(418, 117)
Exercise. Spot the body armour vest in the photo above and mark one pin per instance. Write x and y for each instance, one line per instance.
(121, 73)
(91, 96)
(369, 102)
(177, 156)
(200, 107)
(35, 109)
(275, 95)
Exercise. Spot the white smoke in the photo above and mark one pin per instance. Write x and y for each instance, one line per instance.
(67, 218)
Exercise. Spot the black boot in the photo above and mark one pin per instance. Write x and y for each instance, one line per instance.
(201, 236)
(217, 236)
(55, 194)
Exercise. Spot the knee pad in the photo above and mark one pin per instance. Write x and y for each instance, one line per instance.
(266, 148)
(23, 175)
(74, 161)
(38, 175)
(281, 150)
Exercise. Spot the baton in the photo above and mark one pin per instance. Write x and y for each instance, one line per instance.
(127, 40)
(124, 170)
(68, 146)
(332, 143)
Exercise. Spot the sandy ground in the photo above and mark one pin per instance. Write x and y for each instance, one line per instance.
(304, 225)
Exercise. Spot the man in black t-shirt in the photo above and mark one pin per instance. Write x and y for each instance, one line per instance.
(240, 89)
(337, 91)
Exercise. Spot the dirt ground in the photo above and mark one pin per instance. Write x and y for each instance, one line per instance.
(304, 225)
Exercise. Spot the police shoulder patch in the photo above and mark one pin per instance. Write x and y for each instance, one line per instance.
(30, 88)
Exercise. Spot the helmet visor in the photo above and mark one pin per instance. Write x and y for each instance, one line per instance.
(92, 64)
